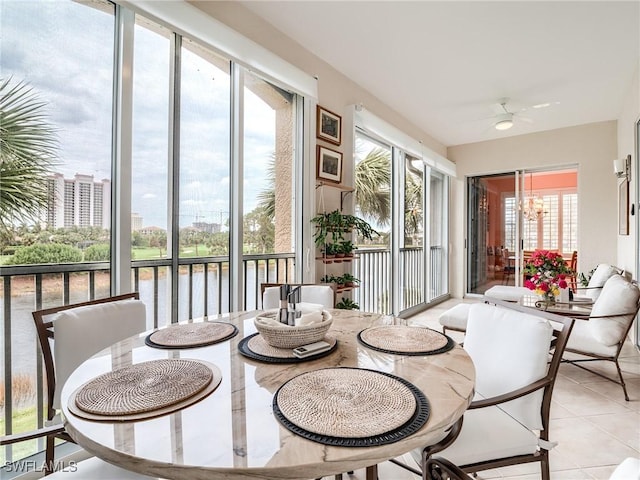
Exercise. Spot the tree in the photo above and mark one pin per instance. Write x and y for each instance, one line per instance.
(28, 145)
(373, 183)
(267, 197)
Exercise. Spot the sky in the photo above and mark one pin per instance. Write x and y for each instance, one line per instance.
(64, 51)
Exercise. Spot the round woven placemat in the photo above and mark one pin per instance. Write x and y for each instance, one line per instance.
(350, 407)
(145, 389)
(254, 346)
(405, 340)
(190, 335)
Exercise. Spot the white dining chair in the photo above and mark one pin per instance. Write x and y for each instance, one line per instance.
(324, 295)
(77, 332)
(602, 336)
(508, 421)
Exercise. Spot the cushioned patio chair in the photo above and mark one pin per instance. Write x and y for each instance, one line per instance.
(324, 294)
(602, 337)
(77, 332)
(516, 352)
(601, 274)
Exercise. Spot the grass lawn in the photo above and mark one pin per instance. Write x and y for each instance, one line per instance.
(23, 421)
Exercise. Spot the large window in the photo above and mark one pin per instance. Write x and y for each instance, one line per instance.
(155, 124)
(406, 267)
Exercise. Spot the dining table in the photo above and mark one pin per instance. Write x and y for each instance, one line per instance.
(253, 411)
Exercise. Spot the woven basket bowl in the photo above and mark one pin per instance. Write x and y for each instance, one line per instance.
(291, 337)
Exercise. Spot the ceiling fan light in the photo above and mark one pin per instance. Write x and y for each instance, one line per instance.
(504, 122)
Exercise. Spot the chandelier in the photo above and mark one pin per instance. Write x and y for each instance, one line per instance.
(533, 206)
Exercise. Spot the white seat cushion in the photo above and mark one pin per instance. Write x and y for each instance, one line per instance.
(629, 469)
(83, 331)
(96, 469)
(488, 433)
(456, 317)
(321, 294)
(507, 293)
(509, 349)
(599, 277)
(619, 297)
(581, 339)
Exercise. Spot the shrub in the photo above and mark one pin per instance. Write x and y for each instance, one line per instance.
(97, 253)
(46, 253)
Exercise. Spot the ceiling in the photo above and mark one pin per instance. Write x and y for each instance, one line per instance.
(443, 65)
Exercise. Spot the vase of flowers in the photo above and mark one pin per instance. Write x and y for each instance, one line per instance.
(547, 273)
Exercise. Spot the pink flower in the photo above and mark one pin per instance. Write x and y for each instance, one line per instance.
(530, 285)
(544, 287)
(562, 284)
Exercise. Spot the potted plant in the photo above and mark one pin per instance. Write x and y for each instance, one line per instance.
(329, 252)
(349, 280)
(347, 304)
(347, 248)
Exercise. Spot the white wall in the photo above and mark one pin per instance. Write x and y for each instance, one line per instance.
(627, 252)
(591, 148)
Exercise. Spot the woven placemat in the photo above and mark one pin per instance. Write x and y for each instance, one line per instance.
(405, 340)
(191, 335)
(352, 407)
(254, 346)
(145, 390)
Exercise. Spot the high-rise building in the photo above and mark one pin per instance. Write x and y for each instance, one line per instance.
(79, 201)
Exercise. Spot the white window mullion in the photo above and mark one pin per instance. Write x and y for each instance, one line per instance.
(236, 281)
(121, 153)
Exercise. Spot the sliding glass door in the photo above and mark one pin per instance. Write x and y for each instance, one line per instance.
(511, 214)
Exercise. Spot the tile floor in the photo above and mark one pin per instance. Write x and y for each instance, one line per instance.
(594, 426)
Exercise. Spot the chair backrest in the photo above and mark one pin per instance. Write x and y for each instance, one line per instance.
(324, 294)
(614, 310)
(601, 274)
(79, 331)
(510, 347)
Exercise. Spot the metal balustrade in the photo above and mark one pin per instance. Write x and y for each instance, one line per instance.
(203, 290)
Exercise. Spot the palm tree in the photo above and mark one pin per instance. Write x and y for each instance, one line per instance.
(373, 184)
(28, 145)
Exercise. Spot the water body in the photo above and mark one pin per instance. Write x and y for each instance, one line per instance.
(24, 350)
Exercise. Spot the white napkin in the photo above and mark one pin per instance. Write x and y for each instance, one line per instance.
(309, 318)
(311, 313)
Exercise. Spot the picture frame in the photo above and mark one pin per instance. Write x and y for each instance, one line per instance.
(329, 164)
(623, 208)
(328, 126)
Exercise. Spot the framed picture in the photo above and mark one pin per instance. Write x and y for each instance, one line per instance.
(623, 208)
(329, 164)
(328, 126)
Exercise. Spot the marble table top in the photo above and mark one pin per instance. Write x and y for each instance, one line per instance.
(233, 434)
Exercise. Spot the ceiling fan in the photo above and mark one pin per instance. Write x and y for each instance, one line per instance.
(505, 118)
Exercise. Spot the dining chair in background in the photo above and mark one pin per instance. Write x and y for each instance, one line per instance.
(602, 337)
(68, 335)
(324, 294)
(508, 421)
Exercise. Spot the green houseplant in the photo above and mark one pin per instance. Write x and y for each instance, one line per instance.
(347, 304)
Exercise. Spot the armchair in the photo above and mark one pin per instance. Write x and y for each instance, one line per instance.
(601, 337)
(508, 421)
(601, 274)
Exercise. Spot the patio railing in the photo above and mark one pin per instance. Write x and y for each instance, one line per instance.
(202, 290)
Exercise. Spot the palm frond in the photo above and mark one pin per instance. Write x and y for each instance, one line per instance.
(373, 186)
(28, 153)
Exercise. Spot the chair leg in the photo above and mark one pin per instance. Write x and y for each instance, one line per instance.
(48, 455)
(624, 387)
(544, 467)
